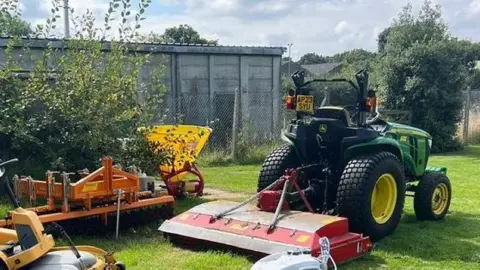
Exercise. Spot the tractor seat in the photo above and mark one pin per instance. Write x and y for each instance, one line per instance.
(334, 112)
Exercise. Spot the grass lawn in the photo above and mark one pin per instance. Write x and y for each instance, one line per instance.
(450, 244)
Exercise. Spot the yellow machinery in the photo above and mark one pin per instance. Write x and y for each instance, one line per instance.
(30, 245)
(184, 143)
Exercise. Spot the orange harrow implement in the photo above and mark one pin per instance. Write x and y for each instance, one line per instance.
(184, 143)
(104, 191)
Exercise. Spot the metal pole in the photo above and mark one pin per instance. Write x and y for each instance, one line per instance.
(289, 56)
(65, 17)
(119, 195)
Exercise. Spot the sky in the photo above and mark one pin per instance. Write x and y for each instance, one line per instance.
(321, 26)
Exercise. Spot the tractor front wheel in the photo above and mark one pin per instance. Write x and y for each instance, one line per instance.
(432, 197)
(371, 194)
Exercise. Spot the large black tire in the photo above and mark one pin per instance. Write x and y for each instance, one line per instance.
(355, 194)
(275, 165)
(432, 197)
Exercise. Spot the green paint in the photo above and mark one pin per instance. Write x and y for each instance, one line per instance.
(323, 128)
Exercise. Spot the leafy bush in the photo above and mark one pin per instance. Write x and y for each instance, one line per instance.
(80, 101)
(423, 70)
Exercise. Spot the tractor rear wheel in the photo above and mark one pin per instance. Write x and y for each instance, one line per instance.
(275, 164)
(432, 197)
(371, 194)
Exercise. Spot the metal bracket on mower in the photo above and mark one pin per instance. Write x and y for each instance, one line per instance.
(222, 214)
(290, 177)
(272, 225)
(66, 191)
(16, 186)
(32, 195)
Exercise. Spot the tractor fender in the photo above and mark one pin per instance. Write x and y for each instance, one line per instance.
(291, 142)
(287, 140)
(379, 144)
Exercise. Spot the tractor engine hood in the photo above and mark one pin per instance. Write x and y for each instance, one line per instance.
(396, 128)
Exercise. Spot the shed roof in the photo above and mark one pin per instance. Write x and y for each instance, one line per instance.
(40, 43)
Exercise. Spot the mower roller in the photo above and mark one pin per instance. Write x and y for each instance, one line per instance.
(342, 176)
(108, 190)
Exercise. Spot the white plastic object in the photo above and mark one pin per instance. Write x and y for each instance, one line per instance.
(291, 260)
(300, 259)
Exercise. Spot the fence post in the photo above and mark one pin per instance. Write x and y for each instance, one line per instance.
(466, 115)
(236, 110)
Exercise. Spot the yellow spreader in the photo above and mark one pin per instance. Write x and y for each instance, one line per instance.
(183, 143)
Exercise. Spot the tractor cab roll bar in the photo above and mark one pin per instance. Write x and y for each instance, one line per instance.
(361, 87)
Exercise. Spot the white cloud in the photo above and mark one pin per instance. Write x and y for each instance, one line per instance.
(341, 27)
(324, 27)
(475, 7)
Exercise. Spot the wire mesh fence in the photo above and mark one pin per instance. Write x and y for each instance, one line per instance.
(258, 121)
(260, 117)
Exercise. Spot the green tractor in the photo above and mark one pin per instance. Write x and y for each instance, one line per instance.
(352, 163)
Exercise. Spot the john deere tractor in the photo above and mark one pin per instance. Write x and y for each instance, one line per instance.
(352, 163)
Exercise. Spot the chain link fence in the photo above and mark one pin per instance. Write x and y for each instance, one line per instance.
(258, 121)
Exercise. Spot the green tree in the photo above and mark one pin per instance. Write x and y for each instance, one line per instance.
(81, 101)
(11, 24)
(312, 58)
(423, 69)
(183, 33)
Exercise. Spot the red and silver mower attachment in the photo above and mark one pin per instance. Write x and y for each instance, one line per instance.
(270, 227)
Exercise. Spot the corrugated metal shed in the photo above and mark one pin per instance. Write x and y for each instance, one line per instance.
(201, 81)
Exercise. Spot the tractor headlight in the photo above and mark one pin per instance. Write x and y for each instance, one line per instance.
(430, 143)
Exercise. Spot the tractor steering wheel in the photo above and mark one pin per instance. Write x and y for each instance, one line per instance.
(373, 119)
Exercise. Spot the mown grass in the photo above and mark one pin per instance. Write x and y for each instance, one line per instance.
(450, 244)
(453, 243)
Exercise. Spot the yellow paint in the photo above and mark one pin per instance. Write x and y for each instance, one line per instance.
(89, 187)
(384, 198)
(304, 103)
(403, 139)
(45, 241)
(303, 238)
(184, 216)
(329, 220)
(238, 227)
(440, 199)
(185, 143)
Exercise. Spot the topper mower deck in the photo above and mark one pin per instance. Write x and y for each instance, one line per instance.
(270, 227)
(100, 193)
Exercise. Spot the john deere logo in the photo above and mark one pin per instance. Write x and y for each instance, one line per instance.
(323, 128)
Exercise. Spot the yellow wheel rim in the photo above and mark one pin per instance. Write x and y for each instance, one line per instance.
(440, 199)
(384, 198)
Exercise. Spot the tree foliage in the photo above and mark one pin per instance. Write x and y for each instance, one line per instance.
(312, 58)
(80, 101)
(423, 70)
(183, 33)
(11, 24)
